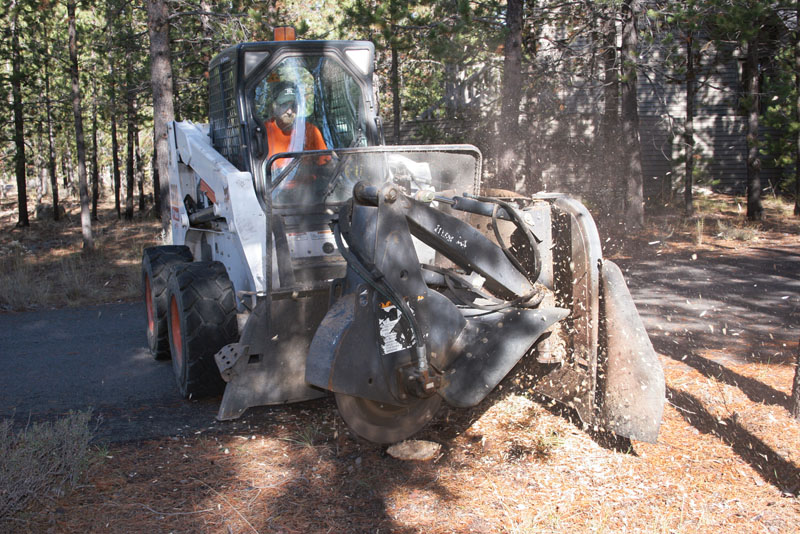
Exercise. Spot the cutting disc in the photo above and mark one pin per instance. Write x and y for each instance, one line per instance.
(384, 423)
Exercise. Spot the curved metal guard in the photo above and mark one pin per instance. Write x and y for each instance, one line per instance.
(633, 387)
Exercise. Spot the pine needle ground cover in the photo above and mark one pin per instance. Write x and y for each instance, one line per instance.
(727, 458)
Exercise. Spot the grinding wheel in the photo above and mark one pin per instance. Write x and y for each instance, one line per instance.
(385, 423)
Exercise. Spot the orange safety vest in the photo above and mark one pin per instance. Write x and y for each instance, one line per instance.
(279, 142)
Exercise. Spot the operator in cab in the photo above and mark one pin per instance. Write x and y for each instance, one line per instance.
(281, 127)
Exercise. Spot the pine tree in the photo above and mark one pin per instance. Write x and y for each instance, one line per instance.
(752, 25)
(796, 38)
(163, 111)
(19, 119)
(634, 198)
(508, 149)
(391, 27)
(86, 221)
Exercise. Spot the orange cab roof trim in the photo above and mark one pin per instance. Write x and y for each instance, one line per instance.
(284, 33)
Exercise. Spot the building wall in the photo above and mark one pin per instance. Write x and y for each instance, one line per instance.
(563, 122)
(720, 128)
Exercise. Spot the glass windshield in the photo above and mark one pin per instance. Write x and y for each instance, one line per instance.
(309, 103)
(328, 177)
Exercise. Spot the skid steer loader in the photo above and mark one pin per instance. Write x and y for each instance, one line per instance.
(378, 273)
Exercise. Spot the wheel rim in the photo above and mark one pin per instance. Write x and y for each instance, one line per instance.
(148, 300)
(177, 338)
(385, 423)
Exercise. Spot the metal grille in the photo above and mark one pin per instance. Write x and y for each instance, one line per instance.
(343, 97)
(225, 130)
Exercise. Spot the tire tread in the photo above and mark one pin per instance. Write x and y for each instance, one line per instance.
(207, 303)
(156, 262)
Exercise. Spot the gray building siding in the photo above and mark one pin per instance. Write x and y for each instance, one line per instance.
(719, 127)
(565, 124)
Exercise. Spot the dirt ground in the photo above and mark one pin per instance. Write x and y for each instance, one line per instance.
(727, 458)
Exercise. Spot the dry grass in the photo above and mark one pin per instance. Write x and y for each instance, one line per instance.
(740, 232)
(40, 463)
(720, 223)
(44, 266)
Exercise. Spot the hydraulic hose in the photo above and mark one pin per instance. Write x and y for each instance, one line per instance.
(514, 214)
(377, 281)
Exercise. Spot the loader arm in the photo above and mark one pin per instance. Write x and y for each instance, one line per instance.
(214, 208)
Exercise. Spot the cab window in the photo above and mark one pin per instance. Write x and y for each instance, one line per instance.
(328, 98)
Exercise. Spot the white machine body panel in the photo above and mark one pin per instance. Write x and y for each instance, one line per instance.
(239, 236)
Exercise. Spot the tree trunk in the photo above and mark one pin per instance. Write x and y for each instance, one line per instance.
(112, 14)
(797, 118)
(86, 220)
(51, 152)
(41, 169)
(688, 133)
(115, 144)
(163, 111)
(395, 81)
(19, 121)
(796, 386)
(511, 91)
(66, 163)
(608, 147)
(610, 123)
(139, 171)
(65, 172)
(156, 183)
(754, 208)
(95, 169)
(129, 163)
(453, 101)
(634, 198)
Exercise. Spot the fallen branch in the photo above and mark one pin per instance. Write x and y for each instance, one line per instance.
(172, 513)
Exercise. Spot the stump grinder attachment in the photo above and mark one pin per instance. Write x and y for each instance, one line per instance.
(377, 273)
(494, 304)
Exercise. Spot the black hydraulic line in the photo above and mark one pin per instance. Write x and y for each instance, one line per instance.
(473, 205)
(500, 241)
(522, 226)
(377, 281)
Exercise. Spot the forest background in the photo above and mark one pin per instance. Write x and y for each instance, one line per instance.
(87, 87)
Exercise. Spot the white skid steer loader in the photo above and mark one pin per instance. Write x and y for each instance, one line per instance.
(308, 258)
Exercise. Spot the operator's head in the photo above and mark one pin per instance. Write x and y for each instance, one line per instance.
(284, 107)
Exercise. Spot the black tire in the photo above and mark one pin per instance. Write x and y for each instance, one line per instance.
(201, 320)
(156, 262)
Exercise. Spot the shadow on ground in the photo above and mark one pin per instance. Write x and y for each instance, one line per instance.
(718, 312)
(772, 467)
